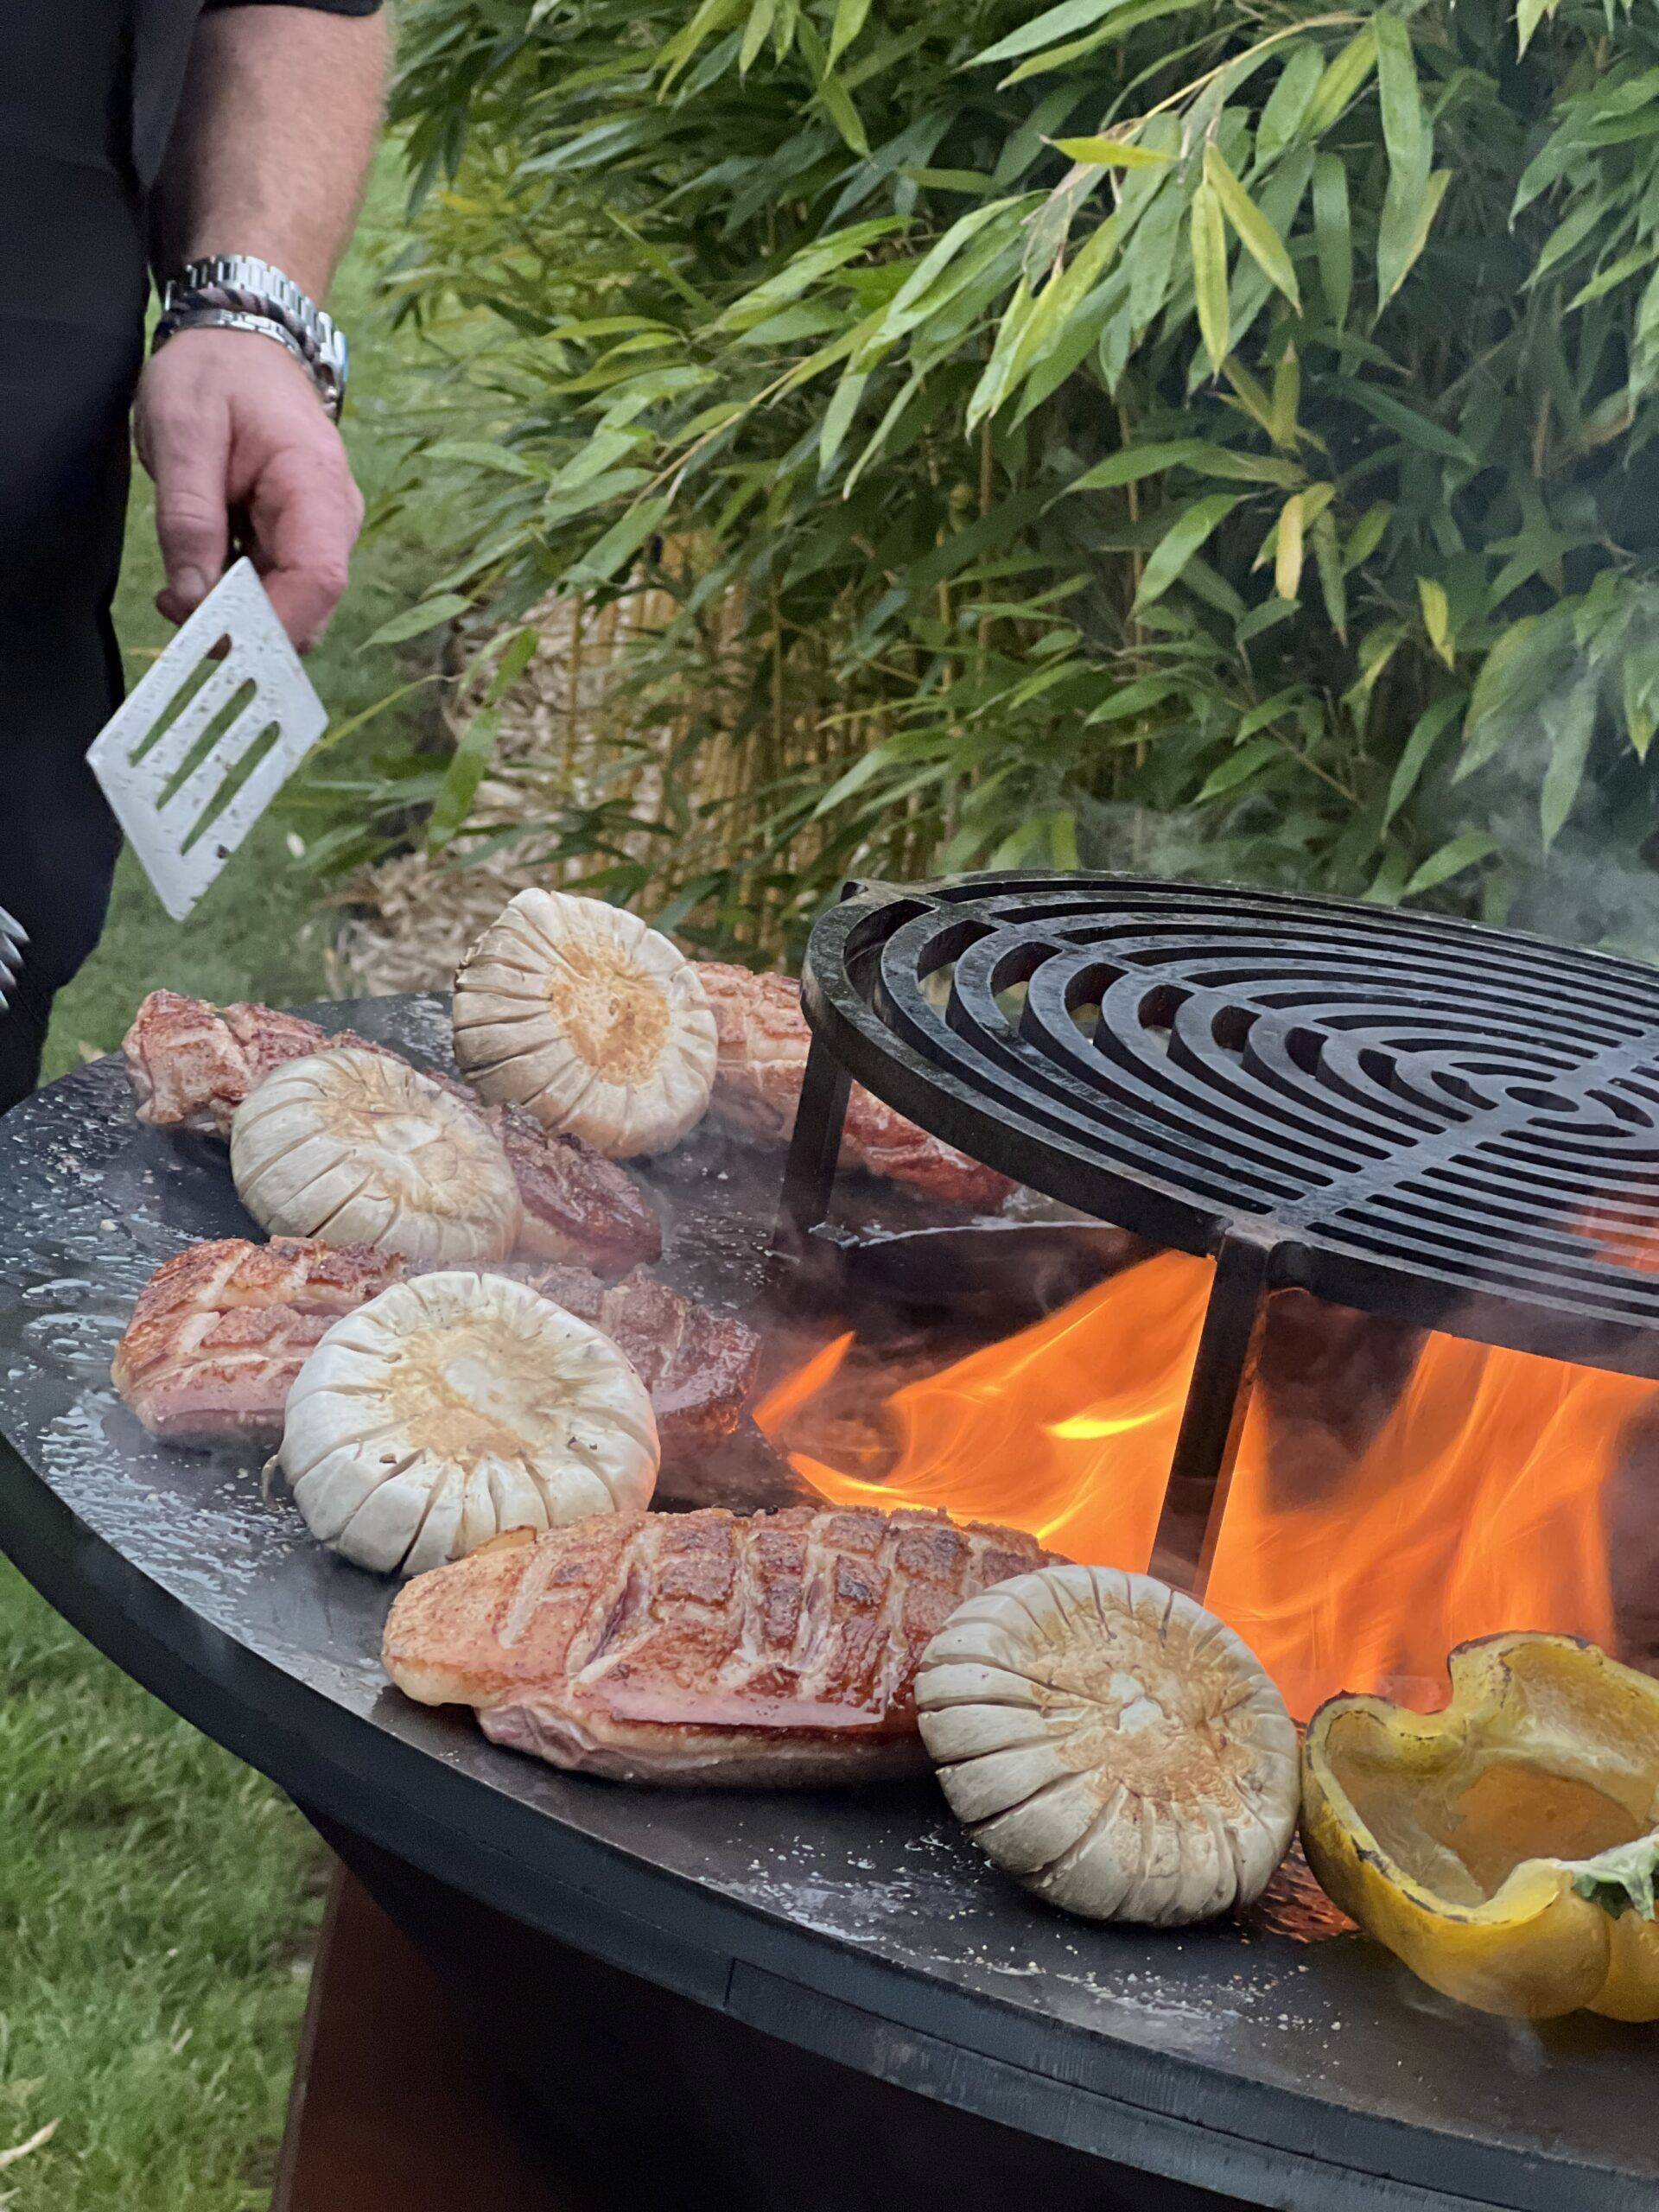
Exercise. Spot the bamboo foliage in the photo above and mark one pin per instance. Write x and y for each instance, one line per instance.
(1131, 431)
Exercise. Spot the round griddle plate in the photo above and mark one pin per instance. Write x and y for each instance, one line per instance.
(861, 1926)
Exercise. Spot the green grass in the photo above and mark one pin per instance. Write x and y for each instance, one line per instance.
(157, 1900)
(157, 1905)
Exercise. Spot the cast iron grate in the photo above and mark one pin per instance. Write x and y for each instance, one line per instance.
(1420, 1114)
(1398, 1112)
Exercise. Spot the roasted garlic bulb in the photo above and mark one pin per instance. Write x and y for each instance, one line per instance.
(455, 1406)
(1110, 1745)
(358, 1148)
(589, 1018)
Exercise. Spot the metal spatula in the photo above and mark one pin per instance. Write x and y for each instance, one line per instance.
(203, 745)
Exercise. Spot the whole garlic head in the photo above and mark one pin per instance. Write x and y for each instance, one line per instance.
(455, 1407)
(1111, 1744)
(589, 1018)
(358, 1148)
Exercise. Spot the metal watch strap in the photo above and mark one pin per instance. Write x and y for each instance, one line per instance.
(228, 319)
(236, 291)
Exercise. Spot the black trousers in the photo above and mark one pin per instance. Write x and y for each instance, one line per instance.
(73, 285)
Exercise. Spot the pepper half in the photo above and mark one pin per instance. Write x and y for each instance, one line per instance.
(1504, 1847)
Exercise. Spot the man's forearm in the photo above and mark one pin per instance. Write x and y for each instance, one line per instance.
(267, 158)
(274, 139)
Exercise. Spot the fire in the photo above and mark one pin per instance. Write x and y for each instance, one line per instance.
(1474, 1503)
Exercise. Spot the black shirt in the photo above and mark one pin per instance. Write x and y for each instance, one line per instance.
(72, 287)
(87, 94)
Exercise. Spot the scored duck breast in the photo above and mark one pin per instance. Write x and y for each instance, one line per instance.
(579, 1207)
(698, 1648)
(221, 1331)
(699, 1366)
(192, 1065)
(762, 1041)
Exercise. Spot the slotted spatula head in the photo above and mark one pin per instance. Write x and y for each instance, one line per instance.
(202, 745)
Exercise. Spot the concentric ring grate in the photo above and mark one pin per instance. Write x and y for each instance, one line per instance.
(1457, 1125)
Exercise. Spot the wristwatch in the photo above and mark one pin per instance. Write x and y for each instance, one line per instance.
(234, 291)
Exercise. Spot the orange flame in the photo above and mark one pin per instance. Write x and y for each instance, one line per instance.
(1474, 1506)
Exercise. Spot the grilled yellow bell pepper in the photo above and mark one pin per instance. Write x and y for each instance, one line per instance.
(1505, 1848)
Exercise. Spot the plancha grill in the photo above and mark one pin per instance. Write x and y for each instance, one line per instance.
(856, 1927)
(1400, 1113)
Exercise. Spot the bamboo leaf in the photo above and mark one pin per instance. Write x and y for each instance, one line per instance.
(838, 419)
(1377, 649)
(1287, 561)
(1405, 134)
(1528, 17)
(712, 15)
(416, 621)
(1134, 699)
(516, 657)
(465, 773)
(1569, 721)
(1064, 22)
(1333, 235)
(1256, 235)
(1588, 220)
(1395, 415)
(1366, 535)
(762, 16)
(1128, 16)
(1286, 398)
(1518, 670)
(1208, 241)
(1405, 129)
(1254, 402)
(1426, 733)
(1109, 153)
(1287, 104)
(1343, 76)
(1333, 588)
(850, 18)
(1428, 207)
(1452, 858)
(1135, 462)
(1637, 262)
(988, 393)
(1180, 542)
(838, 105)
(479, 453)
(1238, 768)
(620, 543)
(1639, 685)
(1437, 619)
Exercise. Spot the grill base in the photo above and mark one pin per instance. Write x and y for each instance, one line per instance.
(648, 2098)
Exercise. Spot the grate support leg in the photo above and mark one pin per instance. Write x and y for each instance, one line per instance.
(814, 1151)
(1217, 1400)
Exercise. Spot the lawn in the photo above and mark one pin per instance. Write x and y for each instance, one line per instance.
(157, 1900)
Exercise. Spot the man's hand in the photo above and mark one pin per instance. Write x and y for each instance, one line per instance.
(229, 425)
(274, 132)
